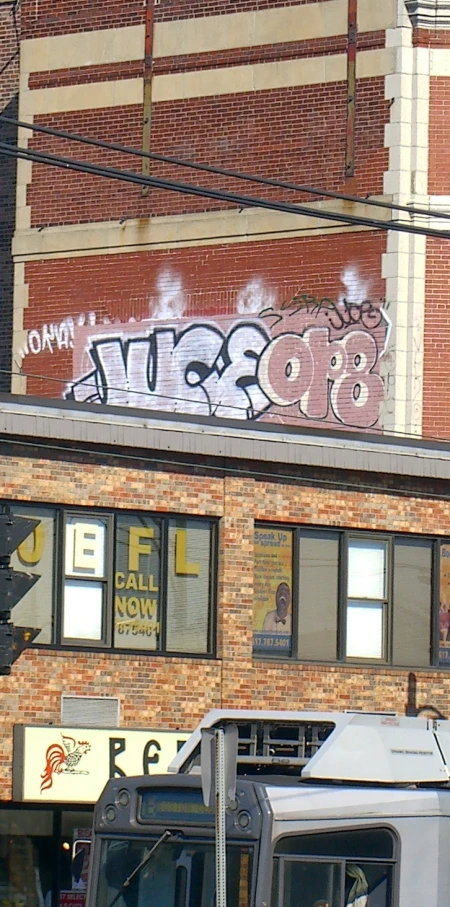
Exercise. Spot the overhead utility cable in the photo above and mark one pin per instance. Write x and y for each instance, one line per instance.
(234, 174)
(210, 409)
(242, 201)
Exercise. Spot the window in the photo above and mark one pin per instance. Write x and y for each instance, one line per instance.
(188, 586)
(85, 579)
(352, 596)
(137, 583)
(180, 873)
(343, 869)
(36, 555)
(366, 599)
(119, 580)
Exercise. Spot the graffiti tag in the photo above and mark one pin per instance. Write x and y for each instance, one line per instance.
(243, 370)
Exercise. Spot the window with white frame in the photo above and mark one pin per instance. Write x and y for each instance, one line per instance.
(366, 598)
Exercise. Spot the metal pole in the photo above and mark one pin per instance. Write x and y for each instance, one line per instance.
(352, 39)
(148, 88)
(221, 853)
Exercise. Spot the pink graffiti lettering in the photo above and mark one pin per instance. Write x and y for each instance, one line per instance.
(358, 390)
(286, 369)
(240, 372)
(300, 369)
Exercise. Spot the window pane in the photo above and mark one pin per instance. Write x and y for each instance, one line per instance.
(362, 842)
(366, 569)
(188, 586)
(444, 604)
(310, 884)
(318, 595)
(412, 602)
(85, 547)
(365, 630)
(36, 555)
(373, 878)
(137, 582)
(178, 874)
(83, 610)
(272, 613)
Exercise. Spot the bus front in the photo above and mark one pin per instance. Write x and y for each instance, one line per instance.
(154, 845)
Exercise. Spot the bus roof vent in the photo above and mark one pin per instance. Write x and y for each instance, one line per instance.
(331, 746)
(269, 742)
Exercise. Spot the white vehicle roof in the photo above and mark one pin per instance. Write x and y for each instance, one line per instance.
(361, 747)
(341, 803)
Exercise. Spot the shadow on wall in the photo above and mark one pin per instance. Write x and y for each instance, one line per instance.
(8, 133)
(420, 711)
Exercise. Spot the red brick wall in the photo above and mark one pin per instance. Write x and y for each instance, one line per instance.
(436, 418)
(86, 15)
(176, 692)
(295, 134)
(207, 281)
(54, 18)
(9, 60)
(439, 137)
(436, 415)
(126, 285)
(427, 37)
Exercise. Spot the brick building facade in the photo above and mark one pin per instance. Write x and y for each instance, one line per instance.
(111, 280)
(284, 325)
(162, 548)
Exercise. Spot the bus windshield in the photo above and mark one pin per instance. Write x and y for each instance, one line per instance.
(178, 874)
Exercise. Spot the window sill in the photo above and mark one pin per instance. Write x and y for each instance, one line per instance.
(105, 650)
(351, 665)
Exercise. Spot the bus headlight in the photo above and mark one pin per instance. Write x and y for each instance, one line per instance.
(123, 797)
(110, 813)
(244, 820)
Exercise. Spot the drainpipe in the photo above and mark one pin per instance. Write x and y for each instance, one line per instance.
(148, 80)
(352, 37)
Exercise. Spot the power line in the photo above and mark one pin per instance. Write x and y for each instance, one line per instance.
(242, 201)
(234, 174)
(293, 418)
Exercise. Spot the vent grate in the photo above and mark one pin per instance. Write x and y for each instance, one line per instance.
(90, 711)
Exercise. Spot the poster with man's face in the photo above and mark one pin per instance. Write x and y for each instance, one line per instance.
(272, 612)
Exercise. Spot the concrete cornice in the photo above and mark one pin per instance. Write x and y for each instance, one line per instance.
(42, 425)
(429, 13)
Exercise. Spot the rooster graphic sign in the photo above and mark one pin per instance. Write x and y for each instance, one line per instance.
(59, 759)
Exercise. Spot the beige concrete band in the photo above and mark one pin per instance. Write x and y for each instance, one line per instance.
(212, 228)
(206, 83)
